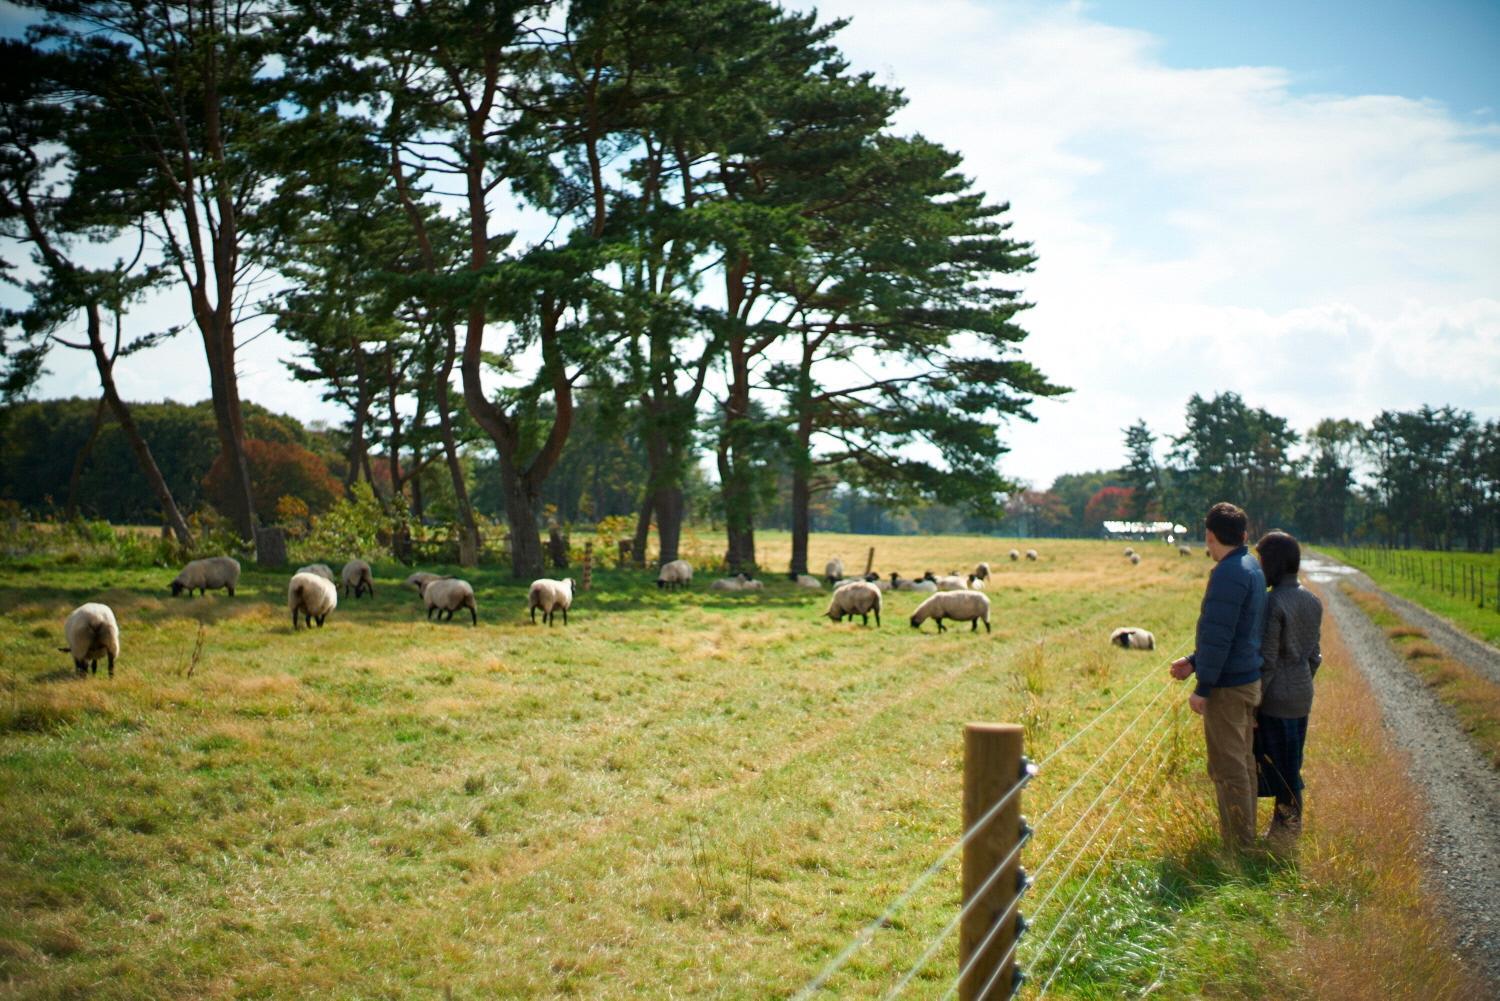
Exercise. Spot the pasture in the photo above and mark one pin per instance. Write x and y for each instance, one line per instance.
(1446, 583)
(693, 795)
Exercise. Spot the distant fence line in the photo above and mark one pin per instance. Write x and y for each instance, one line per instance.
(1448, 575)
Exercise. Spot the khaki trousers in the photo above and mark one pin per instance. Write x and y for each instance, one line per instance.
(1229, 729)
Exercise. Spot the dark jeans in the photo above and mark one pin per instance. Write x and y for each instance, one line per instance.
(1278, 757)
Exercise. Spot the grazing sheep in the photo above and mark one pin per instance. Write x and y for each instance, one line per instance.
(982, 572)
(357, 576)
(858, 597)
(834, 569)
(874, 578)
(1133, 638)
(208, 575)
(1135, 559)
(674, 574)
(948, 582)
(1031, 555)
(1015, 554)
(976, 583)
(1129, 551)
(321, 569)
(961, 606)
(448, 594)
(1184, 550)
(739, 582)
(421, 579)
(312, 597)
(92, 632)
(550, 596)
(804, 580)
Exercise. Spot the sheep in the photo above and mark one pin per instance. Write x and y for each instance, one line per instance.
(812, 583)
(961, 606)
(357, 576)
(982, 571)
(550, 595)
(1129, 551)
(976, 583)
(1135, 559)
(1031, 555)
(1184, 550)
(739, 582)
(421, 579)
(947, 582)
(312, 597)
(834, 569)
(448, 594)
(91, 632)
(1015, 554)
(874, 578)
(321, 569)
(900, 583)
(208, 575)
(674, 574)
(858, 597)
(1133, 638)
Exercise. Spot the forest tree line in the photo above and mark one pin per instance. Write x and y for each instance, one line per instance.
(739, 256)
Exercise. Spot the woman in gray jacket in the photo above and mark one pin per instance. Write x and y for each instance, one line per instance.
(1292, 653)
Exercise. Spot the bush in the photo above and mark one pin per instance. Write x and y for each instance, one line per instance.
(352, 526)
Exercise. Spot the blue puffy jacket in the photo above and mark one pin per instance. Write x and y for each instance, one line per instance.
(1230, 622)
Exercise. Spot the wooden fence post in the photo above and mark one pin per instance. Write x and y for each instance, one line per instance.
(992, 767)
(870, 561)
(588, 566)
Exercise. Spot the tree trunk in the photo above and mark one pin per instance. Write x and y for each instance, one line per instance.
(70, 509)
(669, 508)
(526, 558)
(468, 531)
(801, 518)
(643, 528)
(105, 364)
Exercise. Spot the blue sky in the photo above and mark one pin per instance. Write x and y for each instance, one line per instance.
(1296, 202)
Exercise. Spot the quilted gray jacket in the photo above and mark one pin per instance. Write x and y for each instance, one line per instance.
(1290, 646)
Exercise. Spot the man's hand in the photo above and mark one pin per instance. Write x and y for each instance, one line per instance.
(1197, 703)
(1182, 669)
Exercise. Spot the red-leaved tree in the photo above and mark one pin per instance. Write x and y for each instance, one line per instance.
(277, 469)
(1109, 504)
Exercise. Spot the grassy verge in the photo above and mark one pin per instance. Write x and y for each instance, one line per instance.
(678, 795)
(1474, 699)
(1395, 570)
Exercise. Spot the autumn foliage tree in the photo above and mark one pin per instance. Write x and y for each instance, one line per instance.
(1108, 504)
(277, 469)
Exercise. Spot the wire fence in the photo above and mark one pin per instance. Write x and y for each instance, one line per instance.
(1456, 575)
(1056, 916)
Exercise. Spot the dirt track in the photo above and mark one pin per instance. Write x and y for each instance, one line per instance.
(1463, 790)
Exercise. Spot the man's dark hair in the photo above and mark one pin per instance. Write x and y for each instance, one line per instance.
(1228, 523)
(1280, 556)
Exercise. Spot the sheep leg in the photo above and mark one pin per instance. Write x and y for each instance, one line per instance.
(294, 620)
(877, 618)
(321, 618)
(111, 665)
(474, 615)
(565, 615)
(987, 625)
(430, 610)
(83, 669)
(941, 628)
(94, 666)
(864, 618)
(974, 626)
(230, 590)
(533, 615)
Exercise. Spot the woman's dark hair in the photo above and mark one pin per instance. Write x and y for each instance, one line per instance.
(1280, 556)
(1228, 523)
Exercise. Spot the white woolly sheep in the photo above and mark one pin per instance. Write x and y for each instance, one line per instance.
(949, 582)
(1015, 554)
(1133, 638)
(311, 597)
(550, 596)
(1135, 559)
(674, 574)
(810, 582)
(961, 606)
(357, 576)
(976, 583)
(1129, 551)
(739, 582)
(1184, 550)
(208, 575)
(1031, 555)
(858, 597)
(833, 569)
(321, 569)
(422, 578)
(92, 632)
(448, 594)
(982, 571)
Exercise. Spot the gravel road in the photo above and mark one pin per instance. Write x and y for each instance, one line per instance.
(1463, 790)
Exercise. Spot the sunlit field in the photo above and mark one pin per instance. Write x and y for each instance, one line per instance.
(693, 795)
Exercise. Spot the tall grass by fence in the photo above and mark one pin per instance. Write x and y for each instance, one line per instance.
(1475, 577)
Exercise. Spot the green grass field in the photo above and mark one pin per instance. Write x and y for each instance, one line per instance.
(1436, 581)
(691, 795)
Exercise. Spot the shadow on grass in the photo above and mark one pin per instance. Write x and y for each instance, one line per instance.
(1207, 868)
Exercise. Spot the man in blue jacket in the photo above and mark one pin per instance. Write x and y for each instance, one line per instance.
(1227, 661)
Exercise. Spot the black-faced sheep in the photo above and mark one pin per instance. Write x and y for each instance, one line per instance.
(1015, 554)
(674, 574)
(858, 597)
(208, 575)
(446, 595)
(310, 597)
(961, 606)
(834, 569)
(1135, 559)
(550, 596)
(982, 572)
(1133, 638)
(357, 577)
(92, 632)
(1031, 555)
(421, 578)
